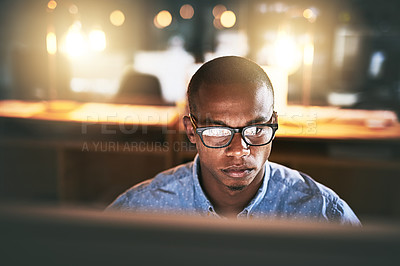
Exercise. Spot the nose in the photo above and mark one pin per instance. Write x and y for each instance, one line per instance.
(238, 148)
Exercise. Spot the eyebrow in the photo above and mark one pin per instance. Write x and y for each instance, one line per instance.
(258, 120)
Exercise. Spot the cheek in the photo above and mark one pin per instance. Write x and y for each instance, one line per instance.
(207, 153)
(262, 153)
(209, 156)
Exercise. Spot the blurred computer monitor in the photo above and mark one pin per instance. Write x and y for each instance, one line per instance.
(70, 236)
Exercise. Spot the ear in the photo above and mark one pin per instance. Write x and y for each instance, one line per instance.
(274, 117)
(274, 120)
(189, 129)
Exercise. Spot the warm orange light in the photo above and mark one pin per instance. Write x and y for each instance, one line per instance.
(117, 18)
(51, 43)
(308, 55)
(217, 24)
(186, 11)
(124, 114)
(52, 4)
(308, 13)
(287, 53)
(228, 19)
(218, 10)
(75, 43)
(97, 39)
(162, 19)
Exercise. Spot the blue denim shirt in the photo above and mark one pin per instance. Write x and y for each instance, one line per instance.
(284, 194)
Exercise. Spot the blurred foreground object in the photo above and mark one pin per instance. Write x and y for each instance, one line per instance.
(64, 236)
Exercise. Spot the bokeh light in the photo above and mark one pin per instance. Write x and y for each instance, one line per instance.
(228, 19)
(75, 44)
(52, 4)
(186, 11)
(51, 43)
(310, 15)
(344, 16)
(218, 10)
(117, 18)
(73, 9)
(162, 19)
(217, 24)
(287, 53)
(97, 40)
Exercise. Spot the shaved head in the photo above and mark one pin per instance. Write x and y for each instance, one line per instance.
(230, 92)
(224, 71)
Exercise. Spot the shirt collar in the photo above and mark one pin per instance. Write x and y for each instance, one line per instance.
(205, 205)
(201, 201)
(260, 193)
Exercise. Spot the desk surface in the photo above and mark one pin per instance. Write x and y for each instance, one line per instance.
(70, 111)
(294, 122)
(336, 123)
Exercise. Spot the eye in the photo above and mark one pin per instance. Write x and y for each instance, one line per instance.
(216, 132)
(253, 131)
(259, 130)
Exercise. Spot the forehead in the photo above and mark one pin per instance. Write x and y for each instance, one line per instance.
(235, 104)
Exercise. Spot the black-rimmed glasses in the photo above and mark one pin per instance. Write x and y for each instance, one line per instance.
(221, 136)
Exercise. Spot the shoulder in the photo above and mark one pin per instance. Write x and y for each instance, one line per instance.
(288, 178)
(165, 188)
(295, 180)
(166, 179)
(300, 188)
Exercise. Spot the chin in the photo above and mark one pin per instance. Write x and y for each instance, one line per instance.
(236, 187)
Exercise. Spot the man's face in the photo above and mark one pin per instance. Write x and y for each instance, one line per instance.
(236, 166)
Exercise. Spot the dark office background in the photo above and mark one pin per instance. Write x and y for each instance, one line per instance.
(355, 65)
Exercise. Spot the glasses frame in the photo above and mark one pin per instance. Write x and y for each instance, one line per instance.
(200, 130)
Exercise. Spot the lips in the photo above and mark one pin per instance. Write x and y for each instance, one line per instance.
(237, 172)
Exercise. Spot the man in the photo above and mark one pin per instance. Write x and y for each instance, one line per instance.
(232, 123)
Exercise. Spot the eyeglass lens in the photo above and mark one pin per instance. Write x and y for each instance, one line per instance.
(255, 135)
